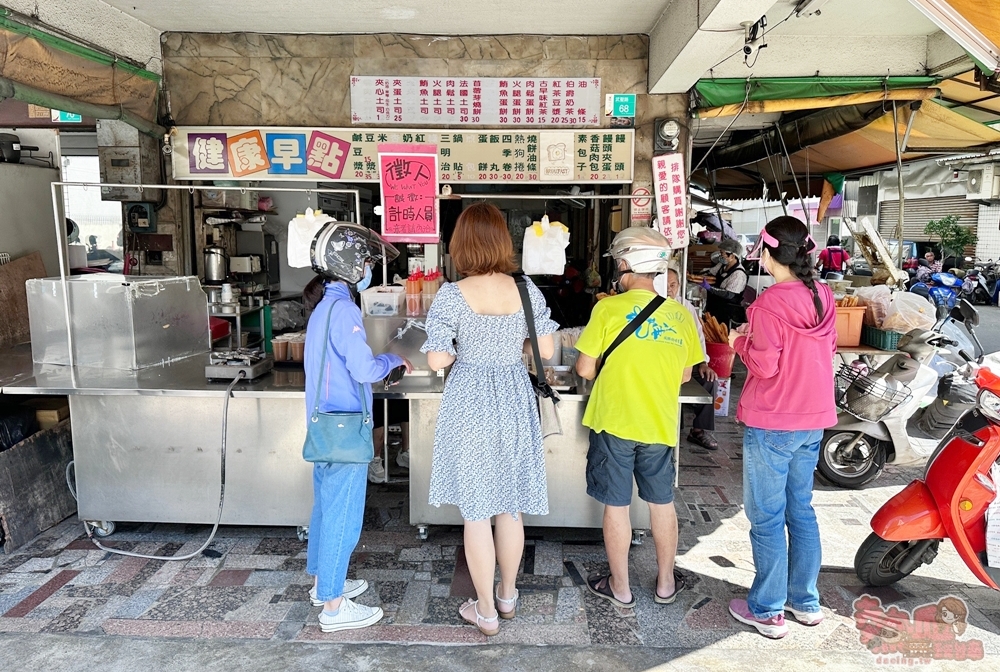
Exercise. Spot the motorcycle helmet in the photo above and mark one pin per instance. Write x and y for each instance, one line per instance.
(644, 250)
(340, 251)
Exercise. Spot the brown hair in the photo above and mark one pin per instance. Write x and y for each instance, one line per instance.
(481, 243)
(957, 607)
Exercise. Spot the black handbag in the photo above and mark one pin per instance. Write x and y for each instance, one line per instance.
(547, 397)
(336, 437)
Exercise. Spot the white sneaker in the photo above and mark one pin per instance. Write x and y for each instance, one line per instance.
(376, 472)
(806, 617)
(352, 588)
(350, 617)
(403, 459)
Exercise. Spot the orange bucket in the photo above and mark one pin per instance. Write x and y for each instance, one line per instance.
(721, 358)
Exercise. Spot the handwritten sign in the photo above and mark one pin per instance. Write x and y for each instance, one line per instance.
(408, 175)
(479, 101)
(671, 198)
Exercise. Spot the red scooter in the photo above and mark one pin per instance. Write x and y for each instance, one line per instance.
(949, 502)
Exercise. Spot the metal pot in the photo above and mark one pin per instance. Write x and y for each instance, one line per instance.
(216, 264)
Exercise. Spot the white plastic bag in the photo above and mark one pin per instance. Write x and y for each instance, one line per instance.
(544, 250)
(907, 312)
(301, 231)
(877, 300)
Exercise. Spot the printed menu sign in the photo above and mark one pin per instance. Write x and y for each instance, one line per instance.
(671, 198)
(351, 154)
(478, 101)
(408, 177)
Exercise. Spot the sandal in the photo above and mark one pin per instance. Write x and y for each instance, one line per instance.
(702, 438)
(601, 586)
(679, 586)
(512, 602)
(480, 619)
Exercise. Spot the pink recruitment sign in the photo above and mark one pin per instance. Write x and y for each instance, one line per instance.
(408, 175)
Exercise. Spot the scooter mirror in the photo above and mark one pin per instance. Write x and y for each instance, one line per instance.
(942, 311)
(969, 313)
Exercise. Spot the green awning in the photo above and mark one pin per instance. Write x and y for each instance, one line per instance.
(719, 92)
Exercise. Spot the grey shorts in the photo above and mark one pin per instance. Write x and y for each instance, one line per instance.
(612, 463)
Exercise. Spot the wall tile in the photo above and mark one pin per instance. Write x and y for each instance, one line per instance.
(305, 91)
(307, 46)
(218, 91)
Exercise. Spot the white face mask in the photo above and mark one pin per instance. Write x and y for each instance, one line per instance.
(660, 285)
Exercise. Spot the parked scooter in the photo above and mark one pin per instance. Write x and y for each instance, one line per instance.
(949, 502)
(974, 288)
(898, 412)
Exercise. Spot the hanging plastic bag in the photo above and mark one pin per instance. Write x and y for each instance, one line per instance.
(907, 312)
(544, 251)
(301, 231)
(877, 300)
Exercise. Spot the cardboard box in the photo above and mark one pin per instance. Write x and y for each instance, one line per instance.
(49, 412)
(722, 397)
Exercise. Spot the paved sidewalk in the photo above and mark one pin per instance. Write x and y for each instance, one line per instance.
(65, 604)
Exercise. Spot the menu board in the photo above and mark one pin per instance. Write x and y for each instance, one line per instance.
(671, 198)
(408, 177)
(351, 155)
(476, 101)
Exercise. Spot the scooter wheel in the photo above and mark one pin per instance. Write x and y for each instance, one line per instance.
(877, 561)
(850, 468)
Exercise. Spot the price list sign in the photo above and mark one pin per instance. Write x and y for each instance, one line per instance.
(491, 101)
(351, 155)
(408, 177)
(671, 198)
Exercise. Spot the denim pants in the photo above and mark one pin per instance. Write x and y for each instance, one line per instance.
(777, 493)
(335, 527)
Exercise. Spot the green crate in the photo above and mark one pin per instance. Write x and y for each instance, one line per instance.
(880, 338)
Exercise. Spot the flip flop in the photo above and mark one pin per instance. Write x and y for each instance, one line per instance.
(702, 439)
(679, 586)
(594, 585)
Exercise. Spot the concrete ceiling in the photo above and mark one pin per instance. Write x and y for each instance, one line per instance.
(424, 17)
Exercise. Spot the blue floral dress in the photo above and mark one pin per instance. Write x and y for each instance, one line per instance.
(488, 455)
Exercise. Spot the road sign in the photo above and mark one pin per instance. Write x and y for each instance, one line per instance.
(619, 105)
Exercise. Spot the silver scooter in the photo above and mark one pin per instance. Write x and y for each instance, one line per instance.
(899, 411)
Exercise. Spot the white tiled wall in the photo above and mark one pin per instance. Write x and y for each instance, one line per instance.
(988, 246)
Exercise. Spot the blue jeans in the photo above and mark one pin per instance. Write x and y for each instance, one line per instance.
(777, 492)
(335, 527)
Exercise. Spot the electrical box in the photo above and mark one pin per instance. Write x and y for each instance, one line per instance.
(140, 217)
(127, 157)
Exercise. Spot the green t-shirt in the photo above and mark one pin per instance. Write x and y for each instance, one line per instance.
(636, 394)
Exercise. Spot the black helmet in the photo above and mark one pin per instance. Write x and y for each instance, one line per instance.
(340, 250)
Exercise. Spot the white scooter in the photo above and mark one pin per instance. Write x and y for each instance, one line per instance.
(894, 413)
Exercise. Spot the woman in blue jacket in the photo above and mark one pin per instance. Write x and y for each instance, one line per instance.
(343, 253)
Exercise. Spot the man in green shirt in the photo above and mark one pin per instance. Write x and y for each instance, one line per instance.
(633, 409)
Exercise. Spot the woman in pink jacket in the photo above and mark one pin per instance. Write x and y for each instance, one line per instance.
(787, 402)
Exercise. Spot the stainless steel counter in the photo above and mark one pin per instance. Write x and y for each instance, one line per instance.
(147, 443)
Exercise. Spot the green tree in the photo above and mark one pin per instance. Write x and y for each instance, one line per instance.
(954, 238)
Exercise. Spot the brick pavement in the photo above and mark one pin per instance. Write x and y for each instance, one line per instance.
(252, 586)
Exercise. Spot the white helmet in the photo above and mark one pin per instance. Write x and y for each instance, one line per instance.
(644, 250)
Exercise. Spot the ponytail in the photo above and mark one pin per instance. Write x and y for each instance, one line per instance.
(793, 249)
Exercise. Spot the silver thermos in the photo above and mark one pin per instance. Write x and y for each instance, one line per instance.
(216, 265)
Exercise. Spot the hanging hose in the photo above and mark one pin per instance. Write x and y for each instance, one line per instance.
(222, 492)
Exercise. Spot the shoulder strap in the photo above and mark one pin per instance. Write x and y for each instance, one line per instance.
(631, 327)
(322, 365)
(529, 317)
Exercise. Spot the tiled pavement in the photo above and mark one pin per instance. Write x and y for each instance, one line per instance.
(251, 584)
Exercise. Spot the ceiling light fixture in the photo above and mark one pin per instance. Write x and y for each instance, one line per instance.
(809, 7)
(964, 33)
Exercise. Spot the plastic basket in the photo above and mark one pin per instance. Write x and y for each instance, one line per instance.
(880, 338)
(849, 326)
(867, 398)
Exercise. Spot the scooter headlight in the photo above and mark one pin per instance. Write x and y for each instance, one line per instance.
(989, 405)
